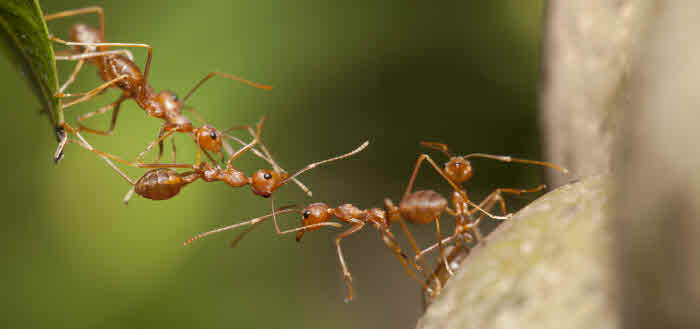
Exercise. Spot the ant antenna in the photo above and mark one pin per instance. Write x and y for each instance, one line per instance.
(316, 164)
(231, 227)
(257, 220)
(232, 77)
(506, 158)
(438, 146)
(241, 235)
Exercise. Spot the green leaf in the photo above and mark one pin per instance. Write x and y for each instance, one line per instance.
(26, 42)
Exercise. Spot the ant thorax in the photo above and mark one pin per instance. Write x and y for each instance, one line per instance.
(345, 212)
(377, 217)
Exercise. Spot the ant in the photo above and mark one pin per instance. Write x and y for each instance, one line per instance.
(452, 258)
(121, 72)
(163, 183)
(456, 172)
(317, 215)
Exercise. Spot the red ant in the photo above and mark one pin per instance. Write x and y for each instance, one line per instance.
(456, 172)
(121, 72)
(453, 256)
(317, 215)
(164, 183)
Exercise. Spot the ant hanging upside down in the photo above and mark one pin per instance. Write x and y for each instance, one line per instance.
(121, 72)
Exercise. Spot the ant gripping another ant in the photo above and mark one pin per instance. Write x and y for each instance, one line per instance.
(317, 215)
(162, 183)
(416, 206)
(121, 72)
(456, 172)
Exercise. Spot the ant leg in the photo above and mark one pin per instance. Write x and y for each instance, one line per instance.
(174, 151)
(132, 164)
(232, 77)
(426, 157)
(436, 245)
(390, 242)
(81, 11)
(128, 195)
(114, 106)
(90, 54)
(160, 145)
(414, 245)
(496, 196)
(72, 76)
(139, 159)
(442, 250)
(86, 145)
(91, 93)
(346, 273)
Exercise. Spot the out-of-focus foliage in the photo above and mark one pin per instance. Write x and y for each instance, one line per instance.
(394, 72)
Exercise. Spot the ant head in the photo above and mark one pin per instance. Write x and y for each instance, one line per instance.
(458, 169)
(266, 181)
(209, 138)
(313, 214)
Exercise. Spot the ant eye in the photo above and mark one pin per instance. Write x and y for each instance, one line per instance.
(444, 166)
(267, 175)
(212, 135)
(175, 98)
(307, 214)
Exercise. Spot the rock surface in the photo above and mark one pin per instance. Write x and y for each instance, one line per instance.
(548, 267)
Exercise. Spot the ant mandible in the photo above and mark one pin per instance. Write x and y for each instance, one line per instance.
(121, 72)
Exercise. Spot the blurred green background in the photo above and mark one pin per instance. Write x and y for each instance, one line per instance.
(394, 72)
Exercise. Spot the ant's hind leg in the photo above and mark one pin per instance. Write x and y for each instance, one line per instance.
(114, 106)
(81, 11)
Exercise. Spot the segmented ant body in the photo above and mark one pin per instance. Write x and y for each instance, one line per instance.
(161, 182)
(454, 255)
(121, 72)
(456, 172)
(317, 215)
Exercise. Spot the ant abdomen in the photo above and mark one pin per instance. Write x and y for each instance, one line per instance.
(161, 184)
(422, 207)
